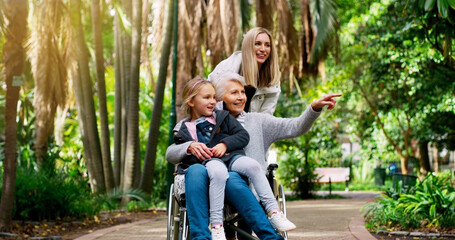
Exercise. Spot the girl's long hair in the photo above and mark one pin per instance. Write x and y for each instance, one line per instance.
(269, 74)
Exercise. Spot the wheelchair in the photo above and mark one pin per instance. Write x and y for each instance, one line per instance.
(177, 219)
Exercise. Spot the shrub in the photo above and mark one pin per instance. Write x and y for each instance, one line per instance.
(113, 199)
(40, 195)
(430, 203)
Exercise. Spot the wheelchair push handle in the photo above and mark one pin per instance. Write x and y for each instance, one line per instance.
(272, 167)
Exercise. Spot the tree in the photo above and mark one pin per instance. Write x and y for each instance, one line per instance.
(264, 14)
(146, 183)
(320, 24)
(132, 156)
(398, 76)
(13, 60)
(83, 92)
(438, 21)
(49, 71)
(99, 61)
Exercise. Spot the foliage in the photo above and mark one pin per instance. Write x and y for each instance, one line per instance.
(388, 61)
(300, 156)
(37, 199)
(112, 199)
(429, 204)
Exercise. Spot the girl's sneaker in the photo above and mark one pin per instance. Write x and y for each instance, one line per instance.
(280, 222)
(218, 233)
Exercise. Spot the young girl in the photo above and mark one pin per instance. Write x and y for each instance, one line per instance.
(225, 138)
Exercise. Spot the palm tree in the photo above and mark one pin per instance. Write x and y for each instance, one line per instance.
(320, 24)
(99, 60)
(146, 183)
(214, 35)
(190, 41)
(287, 41)
(264, 14)
(49, 71)
(83, 91)
(13, 60)
(132, 158)
(122, 67)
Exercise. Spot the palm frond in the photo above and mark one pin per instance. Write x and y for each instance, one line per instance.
(326, 24)
(48, 69)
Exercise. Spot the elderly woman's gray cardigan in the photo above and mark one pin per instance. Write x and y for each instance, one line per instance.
(264, 129)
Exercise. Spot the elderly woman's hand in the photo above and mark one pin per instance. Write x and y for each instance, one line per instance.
(200, 150)
(328, 100)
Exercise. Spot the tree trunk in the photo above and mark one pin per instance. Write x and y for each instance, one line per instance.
(307, 40)
(132, 160)
(230, 26)
(119, 109)
(425, 166)
(145, 56)
(436, 158)
(13, 60)
(404, 164)
(214, 33)
(104, 122)
(288, 42)
(264, 14)
(154, 129)
(122, 79)
(190, 30)
(86, 109)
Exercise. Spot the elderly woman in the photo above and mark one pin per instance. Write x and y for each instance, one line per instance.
(264, 129)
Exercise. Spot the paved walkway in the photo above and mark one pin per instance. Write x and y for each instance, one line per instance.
(315, 219)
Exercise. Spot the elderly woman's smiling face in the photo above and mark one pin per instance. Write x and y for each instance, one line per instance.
(234, 97)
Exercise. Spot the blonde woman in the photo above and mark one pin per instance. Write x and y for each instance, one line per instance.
(258, 64)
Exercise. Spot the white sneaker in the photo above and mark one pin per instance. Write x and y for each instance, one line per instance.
(218, 233)
(280, 222)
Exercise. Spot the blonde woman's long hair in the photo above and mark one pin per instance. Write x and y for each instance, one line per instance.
(269, 74)
(190, 90)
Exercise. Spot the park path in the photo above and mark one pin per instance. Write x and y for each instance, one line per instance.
(323, 219)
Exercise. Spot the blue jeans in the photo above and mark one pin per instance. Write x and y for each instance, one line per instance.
(237, 194)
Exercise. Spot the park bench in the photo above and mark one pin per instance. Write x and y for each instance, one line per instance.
(332, 175)
(403, 182)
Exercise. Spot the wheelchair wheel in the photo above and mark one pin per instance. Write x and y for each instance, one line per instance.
(281, 199)
(177, 220)
(170, 214)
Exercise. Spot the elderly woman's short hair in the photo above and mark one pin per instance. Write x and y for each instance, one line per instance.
(219, 82)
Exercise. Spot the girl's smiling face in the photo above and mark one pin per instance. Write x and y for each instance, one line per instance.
(203, 103)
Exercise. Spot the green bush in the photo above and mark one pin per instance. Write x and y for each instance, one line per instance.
(112, 200)
(430, 203)
(40, 195)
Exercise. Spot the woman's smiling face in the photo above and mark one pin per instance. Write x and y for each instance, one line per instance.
(262, 48)
(234, 97)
